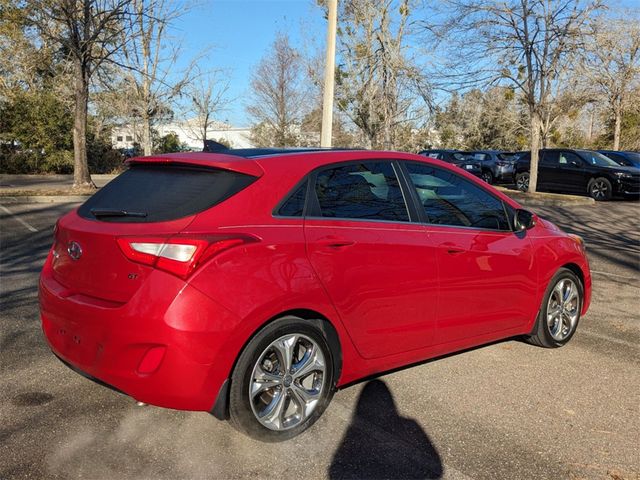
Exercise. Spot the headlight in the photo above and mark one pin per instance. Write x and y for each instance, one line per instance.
(623, 175)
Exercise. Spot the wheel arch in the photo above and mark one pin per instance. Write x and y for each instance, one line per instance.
(575, 268)
(220, 408)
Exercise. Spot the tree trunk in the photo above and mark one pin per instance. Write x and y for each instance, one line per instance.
(616, 130)
(535, 148)
(81, 176)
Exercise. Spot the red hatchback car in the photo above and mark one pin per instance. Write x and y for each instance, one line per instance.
(253, 283)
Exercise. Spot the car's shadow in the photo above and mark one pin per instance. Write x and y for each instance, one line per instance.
(380, 443)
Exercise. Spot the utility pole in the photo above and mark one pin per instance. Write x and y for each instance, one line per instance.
(329, 75)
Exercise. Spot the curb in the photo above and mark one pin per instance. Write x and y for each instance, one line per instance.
(43, 199)
(542, 199)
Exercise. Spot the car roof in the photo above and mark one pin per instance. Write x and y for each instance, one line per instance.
(252, 161)
(621, 152)
(453, 150)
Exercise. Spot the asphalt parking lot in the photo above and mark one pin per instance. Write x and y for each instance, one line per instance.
(509, 410)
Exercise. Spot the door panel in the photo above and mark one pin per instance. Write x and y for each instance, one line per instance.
(382, 279)
(377, 267)
(486, 271)
(548, 170)
(487, 281)
(571, 173)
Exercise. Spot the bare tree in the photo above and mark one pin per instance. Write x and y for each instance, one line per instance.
(208, 97)
(278, 95)
(527, 44)
(379, 86)
(90, 32)
(612, 63)
(152, 78)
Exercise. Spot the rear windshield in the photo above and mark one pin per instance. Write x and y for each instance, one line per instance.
(158, 193)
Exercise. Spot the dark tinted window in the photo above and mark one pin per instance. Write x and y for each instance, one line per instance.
(549, 158)
(568, 158)
(162, 193)
(294, 206)
(616, 157)
(481, 157)
(595, 158)
(368, 190)
(452, 200)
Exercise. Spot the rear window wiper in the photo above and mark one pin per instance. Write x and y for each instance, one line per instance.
(114, 212)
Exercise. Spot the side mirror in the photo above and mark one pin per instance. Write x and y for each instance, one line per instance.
(523, 220)
(574, 163)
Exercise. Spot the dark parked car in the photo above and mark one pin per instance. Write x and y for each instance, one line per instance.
(457, 158)
(497, 166)
(626, 159)
(581, 172)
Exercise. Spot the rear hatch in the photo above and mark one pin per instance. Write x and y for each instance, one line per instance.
(149, 201)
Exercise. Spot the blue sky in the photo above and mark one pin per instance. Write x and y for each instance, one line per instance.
(237, 33)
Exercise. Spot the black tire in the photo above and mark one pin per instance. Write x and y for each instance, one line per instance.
(600, 189)
(522, 181)
(487, 176)
(241, 414)
(541, 334)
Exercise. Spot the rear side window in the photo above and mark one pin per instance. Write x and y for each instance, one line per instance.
(449, 199)
(368, 190)
(159, 193)
(294, 205)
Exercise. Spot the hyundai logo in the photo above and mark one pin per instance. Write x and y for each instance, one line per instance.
(74, 250)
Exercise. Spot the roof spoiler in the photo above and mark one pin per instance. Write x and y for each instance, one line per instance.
(214, 147)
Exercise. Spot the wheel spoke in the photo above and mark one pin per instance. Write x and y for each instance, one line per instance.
(285, 348)
(273, 415)
(568, 291)
(559, 289)
(309, 363)
(568, 304)
(552, 320)
(263, 381)
(305, 399)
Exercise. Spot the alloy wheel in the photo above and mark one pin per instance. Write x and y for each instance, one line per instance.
(563, 309)
(599, 190)
(522, 182)
(287, 382)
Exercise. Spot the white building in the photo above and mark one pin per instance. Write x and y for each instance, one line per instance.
(187, 131)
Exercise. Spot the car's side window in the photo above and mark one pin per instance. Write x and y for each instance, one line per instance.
(449, 199)
(549, 159)
(618, 159)
(367, 190)
(568, 158)
(294, 205)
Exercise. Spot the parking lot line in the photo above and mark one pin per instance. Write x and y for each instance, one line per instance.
(20, 221)
(607, 274)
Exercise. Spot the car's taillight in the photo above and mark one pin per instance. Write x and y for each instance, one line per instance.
(179, 255)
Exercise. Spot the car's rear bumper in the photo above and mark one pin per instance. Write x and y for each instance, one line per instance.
(162, 347)
(505, 173)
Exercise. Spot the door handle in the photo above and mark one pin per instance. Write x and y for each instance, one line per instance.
(334, 242)
(453, 249)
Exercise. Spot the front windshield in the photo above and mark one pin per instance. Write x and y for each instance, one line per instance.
(595, 158)
(634, 158)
